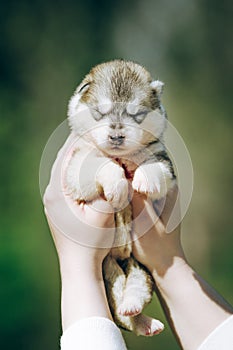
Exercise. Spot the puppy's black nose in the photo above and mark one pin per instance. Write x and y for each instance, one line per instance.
(116, 139)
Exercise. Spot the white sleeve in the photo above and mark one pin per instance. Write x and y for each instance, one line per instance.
(221, 337)
(97, 333)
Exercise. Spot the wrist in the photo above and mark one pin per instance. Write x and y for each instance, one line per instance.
(168, 274)
(168, 254)
(83, 291)
(81, 266)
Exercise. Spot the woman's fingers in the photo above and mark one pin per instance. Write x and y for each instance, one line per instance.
(144, 216)
(168, 209)
(55, 187)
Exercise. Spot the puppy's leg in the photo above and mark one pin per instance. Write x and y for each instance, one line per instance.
(87, 176)
(138, 289)
(111, 178)
(80, 176)
(115, 280)
(147, 326)
(122, 246)
(153, 179)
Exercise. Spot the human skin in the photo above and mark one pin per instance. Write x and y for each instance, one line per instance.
(192, 307)
(83, 291)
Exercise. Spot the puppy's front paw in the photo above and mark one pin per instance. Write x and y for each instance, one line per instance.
(152, 179)
(141, 182)
(117, 193)
(79, 176)
(114, 184)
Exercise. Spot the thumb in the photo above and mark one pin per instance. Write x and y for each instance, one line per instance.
(144, 216)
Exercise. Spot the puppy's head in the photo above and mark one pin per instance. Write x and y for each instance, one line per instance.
(117, 106)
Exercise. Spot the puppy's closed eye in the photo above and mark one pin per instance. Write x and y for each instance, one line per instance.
(96, 114)
(139, 117)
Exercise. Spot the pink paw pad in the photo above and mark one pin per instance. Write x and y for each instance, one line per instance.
(132, 311)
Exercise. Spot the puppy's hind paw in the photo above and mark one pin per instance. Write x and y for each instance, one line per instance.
(147, 326)
(130, 308)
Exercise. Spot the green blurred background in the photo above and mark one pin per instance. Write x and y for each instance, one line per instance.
(46, 47)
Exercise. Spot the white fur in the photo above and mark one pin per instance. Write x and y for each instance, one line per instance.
(105, 105)
(145, 325)
(114, 274)
(74, 101)
(133, 137)
(80, 177)
(136, 293)
(155, 123)
(81, 121)
(133, 107)
(87, 175)
(158, 86)
(140, 324)
(153, 179)
(115, 186)
(72, 107)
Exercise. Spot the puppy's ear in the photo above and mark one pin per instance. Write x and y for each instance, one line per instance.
(157, 86)
(82, 88)
(79, 92)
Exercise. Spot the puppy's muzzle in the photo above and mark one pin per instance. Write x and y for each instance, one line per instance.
(116, 140)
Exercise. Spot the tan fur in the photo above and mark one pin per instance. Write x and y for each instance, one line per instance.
(117, 114)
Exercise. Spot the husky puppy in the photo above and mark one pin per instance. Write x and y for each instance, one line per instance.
(117, 115)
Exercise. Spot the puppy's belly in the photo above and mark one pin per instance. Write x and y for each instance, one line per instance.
(122, 252)
(128, 166)
(122, 247)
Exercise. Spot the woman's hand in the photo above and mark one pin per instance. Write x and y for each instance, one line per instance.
(192, 307)
(153, 246)
(83, 236)
(91, 226)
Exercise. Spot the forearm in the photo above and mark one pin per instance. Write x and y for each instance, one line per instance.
(83, 294)
(193, 308)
